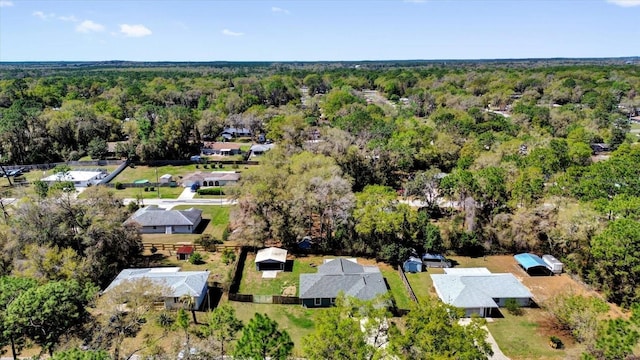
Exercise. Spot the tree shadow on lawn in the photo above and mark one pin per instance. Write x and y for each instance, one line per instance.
(153, 259)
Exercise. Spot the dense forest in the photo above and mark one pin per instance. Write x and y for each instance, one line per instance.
(500, 156)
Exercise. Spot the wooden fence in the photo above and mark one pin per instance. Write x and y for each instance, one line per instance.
(405, 281)
(197, 247)
(265, 299)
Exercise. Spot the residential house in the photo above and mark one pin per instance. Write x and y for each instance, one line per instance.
(156, 220)
(259, 149)
(478, 291)
(340, 276)
(231, 132)
(215, 178)
(176, 283)
(271, 258)
(78, 178)
(220, 149)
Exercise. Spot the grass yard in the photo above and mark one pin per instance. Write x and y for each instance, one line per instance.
(397, 289)
(130, 174)
(422, 284)
(295, 319)
(134, 193)
(525, 337)
(253, 283)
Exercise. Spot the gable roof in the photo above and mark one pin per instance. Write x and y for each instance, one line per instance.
(272, 254)
(228, 146)
(340, 266)
(528, 261)
(153, 215)
(473, 291)
(178, 282)
(185, 249)
(342, 275)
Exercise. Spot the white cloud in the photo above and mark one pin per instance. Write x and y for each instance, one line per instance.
(134, 30)
(6, 3)
(43, 16)
(70, 18)
(231, 33)
(276, 9)
(88, 26)
(625, 3)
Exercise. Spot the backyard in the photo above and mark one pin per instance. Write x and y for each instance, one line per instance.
(152, 173)
(519, 337)
(214, 217)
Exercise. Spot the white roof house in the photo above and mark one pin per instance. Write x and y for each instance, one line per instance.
(271, 258)
(179, 283)
(79, 178)
(478, 292)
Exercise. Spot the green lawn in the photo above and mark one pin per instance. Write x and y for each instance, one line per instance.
(295, 319)
(520, 337)
(130, 174)
(253, 283)
(422, 284)
(135, 193)
(218, 217)
(398, 291)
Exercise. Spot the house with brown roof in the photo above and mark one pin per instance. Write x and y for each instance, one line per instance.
(221, 148)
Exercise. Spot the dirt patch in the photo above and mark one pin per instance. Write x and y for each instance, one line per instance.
(289, 291)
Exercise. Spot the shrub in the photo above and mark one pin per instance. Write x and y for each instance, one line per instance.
(133, 207)
(226, 233)
(211, 191)
(119, 186)
(146, 189)
(555, 342)
(513, 307)
(208, 242)
(196, 258)
(228, 256)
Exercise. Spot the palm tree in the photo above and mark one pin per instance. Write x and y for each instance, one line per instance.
(190, 303)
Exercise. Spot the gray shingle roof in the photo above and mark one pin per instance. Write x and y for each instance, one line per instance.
(178, 282)
(341, 275)
(471, 291)
(153, 215)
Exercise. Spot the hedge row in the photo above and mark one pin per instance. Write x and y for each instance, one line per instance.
(210, 191)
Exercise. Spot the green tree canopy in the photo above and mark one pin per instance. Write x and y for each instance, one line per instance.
(262, 338)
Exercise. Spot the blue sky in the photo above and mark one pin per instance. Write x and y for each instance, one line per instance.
(312, 30)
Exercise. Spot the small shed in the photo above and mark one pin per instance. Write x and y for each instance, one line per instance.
(184, 252)
(166, 178)
(306, 243)
(435, 261)
(553, 264)
(532, 264)
(271, 258)
(412, 265)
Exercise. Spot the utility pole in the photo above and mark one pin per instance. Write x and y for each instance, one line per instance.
(157, 183)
